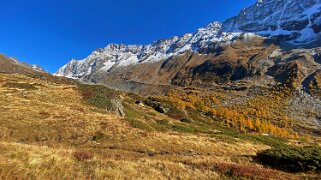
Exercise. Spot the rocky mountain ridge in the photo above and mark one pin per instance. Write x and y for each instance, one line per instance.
(294, 21)
(298, 21)
(35, 67)
(12, 66)
(120, 55)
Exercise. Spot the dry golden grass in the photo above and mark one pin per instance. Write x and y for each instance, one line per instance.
(50, 133)
(39, 162)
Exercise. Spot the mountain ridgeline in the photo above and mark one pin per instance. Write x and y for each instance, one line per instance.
(239, 99)
(269, 47)
(12, 66)
(291, 23)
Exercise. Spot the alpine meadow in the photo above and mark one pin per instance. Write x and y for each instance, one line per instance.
(235, 99)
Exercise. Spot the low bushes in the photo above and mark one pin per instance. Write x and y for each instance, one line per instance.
(139, 125)
(98, 95)
(292, 159)
(82, 155)
(240, 171)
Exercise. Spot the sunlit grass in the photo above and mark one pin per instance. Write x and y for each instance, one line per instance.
(52, 132)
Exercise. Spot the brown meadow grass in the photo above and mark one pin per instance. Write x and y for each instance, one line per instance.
(48, 132)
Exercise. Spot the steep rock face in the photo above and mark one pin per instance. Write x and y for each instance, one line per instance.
(298, 20)
(294, 68)
(314, 84)
(204, 40)
(289, 74)
(244, 58)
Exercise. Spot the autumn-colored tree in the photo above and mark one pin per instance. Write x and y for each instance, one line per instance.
(242, 124)
(261, 108)
(257, 125)
(250, 124)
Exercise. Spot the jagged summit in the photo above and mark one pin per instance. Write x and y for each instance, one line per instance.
(115, 55)
(296, 21)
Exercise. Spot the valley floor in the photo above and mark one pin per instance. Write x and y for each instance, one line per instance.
(48, 132)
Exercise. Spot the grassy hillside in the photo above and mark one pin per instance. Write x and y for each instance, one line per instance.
(63, 131)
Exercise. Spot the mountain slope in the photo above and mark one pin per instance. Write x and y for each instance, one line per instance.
(237, 55)
(213, 100)
(64, 131)
(11, 65)
(293, 21)
(299, 21)
(119, 55)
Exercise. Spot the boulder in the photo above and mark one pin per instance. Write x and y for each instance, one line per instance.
(118, 107)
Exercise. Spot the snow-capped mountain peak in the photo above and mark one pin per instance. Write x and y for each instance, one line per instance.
(37, 68)
(296, 21)
(117, 55)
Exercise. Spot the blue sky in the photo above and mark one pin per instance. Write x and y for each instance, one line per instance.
(51, 32)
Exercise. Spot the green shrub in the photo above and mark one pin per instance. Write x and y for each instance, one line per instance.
(162, 122)
(268, 140)
(292, 159)
(98, 136)
(162, 125)
(139, 125)
(131, 113)
(97, 95)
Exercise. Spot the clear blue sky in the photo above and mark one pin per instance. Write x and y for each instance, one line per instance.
(51, 32)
